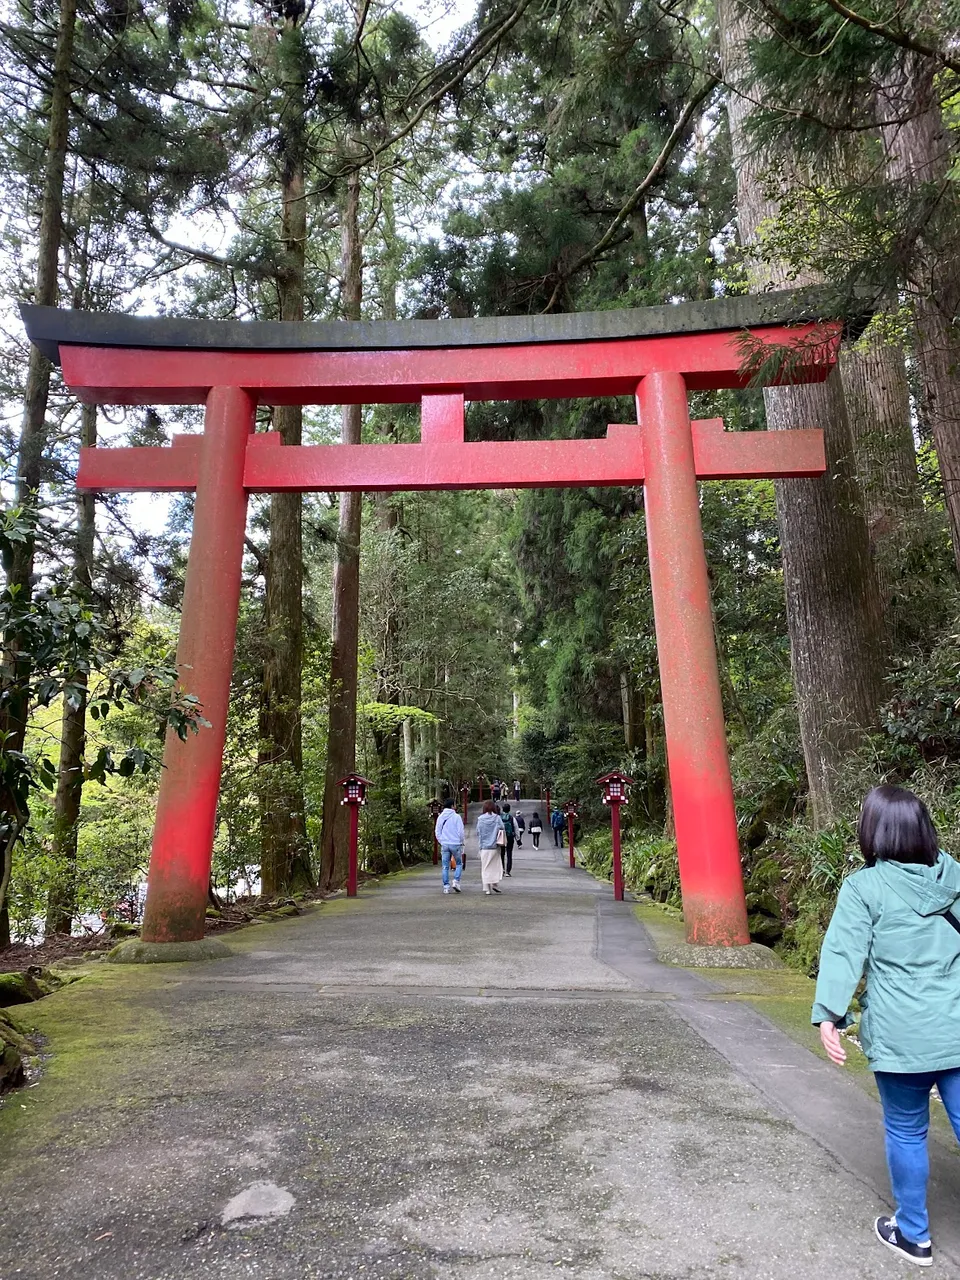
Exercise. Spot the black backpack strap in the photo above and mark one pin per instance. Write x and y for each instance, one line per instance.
(952, 920)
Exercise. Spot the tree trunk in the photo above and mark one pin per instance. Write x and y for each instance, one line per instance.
(342, 732)
(409, 781)
(629, 709)
(878, 403)
(33, 434)
(62, 897)
(284, 848)
(919, 164)
(833, 605)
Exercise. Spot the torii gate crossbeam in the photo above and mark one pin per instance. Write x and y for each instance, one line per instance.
(658, 354)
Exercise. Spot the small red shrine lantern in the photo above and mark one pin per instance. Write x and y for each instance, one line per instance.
(572, 810)
(354, 795)
(615, 786)
(435, 810)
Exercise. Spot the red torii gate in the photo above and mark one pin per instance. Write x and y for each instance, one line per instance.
(657, 353)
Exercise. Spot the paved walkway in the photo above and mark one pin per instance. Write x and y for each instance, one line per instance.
(445, 1087)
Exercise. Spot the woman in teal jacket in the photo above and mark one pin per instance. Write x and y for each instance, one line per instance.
(897, 923)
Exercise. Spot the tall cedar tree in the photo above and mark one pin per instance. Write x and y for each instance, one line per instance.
(285, 855)
(833, 603)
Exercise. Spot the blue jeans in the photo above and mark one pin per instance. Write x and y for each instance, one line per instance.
(906, 1119)
(447, 852)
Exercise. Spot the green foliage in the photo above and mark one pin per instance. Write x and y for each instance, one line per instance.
(58, 647)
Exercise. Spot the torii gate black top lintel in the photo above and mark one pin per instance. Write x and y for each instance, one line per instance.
(48, 327)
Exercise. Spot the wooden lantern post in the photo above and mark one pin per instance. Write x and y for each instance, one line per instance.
(354, 795)
(615, 794)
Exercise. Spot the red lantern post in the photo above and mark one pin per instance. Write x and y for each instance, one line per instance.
(481, 779)
(615, 794)
(572, 810)
(354, 795)
(434, 815)
(465, 795)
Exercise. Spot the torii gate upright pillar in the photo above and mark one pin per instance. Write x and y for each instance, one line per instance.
(190, 782)
(714, 910)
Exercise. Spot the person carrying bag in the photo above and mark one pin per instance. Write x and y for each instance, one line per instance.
(489, 831)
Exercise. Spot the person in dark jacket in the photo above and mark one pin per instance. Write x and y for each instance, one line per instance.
(897, 924)
(521, 827)
(536, 828)
(558, 822)
(506, 853)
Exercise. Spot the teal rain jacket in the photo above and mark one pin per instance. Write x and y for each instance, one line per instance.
(889, 926)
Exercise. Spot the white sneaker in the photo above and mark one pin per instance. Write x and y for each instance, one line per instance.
(456, 887)
(446, 888)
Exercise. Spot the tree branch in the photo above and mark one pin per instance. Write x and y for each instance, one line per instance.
(895, 37)
(656, 169)
(481, 47)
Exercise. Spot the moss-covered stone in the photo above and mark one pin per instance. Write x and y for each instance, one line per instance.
(690, 956)
(26, 986)
(764, 929)
(15, 1048)
(12, 1034)
(11, 1068)
(16, 988)
(120, 929)
(136, 951)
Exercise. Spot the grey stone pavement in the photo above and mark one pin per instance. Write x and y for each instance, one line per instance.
(415, 1086)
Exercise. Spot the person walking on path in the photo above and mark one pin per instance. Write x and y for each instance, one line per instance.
(516, 791)
(558, 822)
(536, 827)
(510, 830)
(489, 827)
(897, 923)
(521, 827)
(450, 837)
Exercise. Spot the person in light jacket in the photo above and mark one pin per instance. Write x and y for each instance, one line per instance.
(897, 923)
(449, 836)
(489, 826)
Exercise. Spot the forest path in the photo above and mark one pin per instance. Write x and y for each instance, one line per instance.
(423, 1086)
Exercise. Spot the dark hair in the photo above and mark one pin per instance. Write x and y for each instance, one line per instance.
(488, 806)
(448, 804)
(506, 808)
(895, 826)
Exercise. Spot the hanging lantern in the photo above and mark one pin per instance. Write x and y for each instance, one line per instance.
(354, 789)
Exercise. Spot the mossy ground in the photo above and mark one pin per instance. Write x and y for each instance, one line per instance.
(96, 1035)
(782, 995)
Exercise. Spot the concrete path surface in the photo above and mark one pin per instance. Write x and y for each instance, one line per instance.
(415, 1086)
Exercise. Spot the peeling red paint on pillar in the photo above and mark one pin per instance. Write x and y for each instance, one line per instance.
(711, 879)
(179, 875)
(573, 861)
